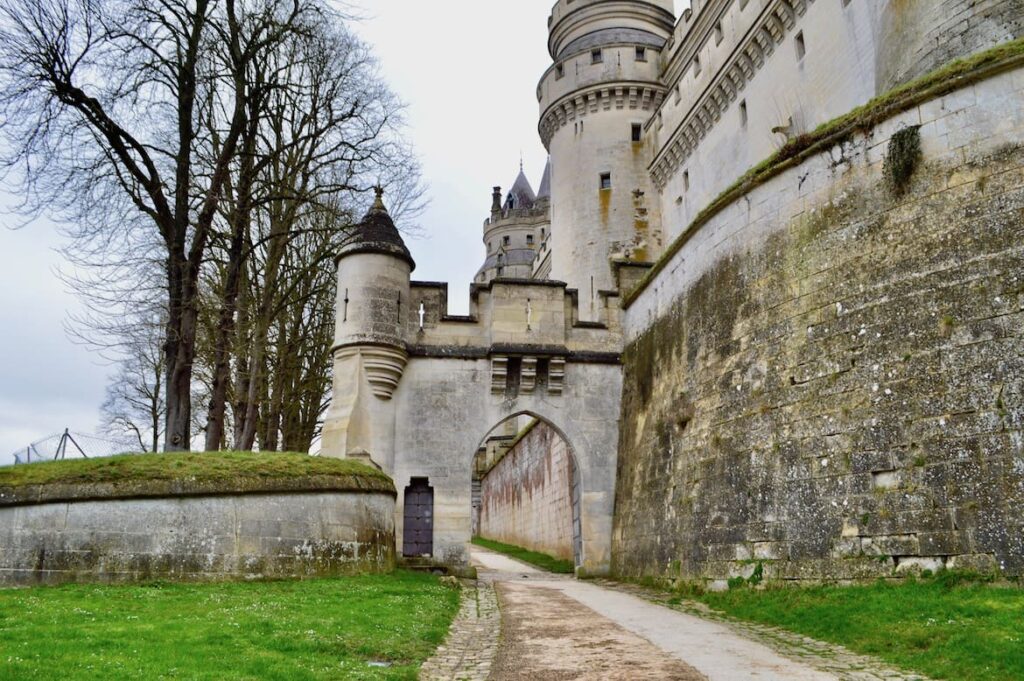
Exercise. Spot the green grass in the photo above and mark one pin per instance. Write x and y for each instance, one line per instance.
(213, 467)
(316, 629)
(946, 627)
(541, 560)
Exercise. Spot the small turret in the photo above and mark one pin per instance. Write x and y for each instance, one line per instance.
(514, 232)
(369, 351)
(374, 267)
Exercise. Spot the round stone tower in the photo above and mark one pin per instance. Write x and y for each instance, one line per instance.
(374, 268)
(596, 102)
(516, 230)
(369, 350)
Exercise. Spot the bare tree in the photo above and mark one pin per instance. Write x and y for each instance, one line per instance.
(135, 404)
(99, 102)
(326, 139)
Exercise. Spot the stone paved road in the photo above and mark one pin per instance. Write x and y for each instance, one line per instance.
(560, 629)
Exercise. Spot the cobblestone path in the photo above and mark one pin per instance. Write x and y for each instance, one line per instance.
(468, 652)
(557, 628)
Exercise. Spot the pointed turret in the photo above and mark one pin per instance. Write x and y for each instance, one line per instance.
(545, 182)
(514, 232)
(521, 195)
(373, 304)
(376, 233)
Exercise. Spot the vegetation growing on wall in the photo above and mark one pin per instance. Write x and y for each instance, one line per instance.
(901, 159)
(948, 78)
(226, 471)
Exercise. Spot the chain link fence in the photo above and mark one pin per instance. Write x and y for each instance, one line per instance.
(68, 445)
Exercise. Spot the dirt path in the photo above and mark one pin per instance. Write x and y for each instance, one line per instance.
(548, 635)
(555, 628)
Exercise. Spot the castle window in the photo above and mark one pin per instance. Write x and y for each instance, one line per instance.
(718, 33)
(541, 232)
(501, 271)
(529, 239)
(636, 132)
(606, 180)
(801, 47)
(696, 66)
(559, 71)
(506, 240)
(660, 121)
(686, 180)
(743, 113)
(596, 56)
(641, 54)
(678, 94)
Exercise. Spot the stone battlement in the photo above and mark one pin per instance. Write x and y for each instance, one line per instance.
(513, 316)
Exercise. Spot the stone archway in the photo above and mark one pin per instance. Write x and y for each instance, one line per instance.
(529, 467)
(415, 386)
(444, 408)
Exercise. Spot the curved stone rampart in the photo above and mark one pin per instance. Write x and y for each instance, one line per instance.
(824, 379)
(160, 530)
(918, 36)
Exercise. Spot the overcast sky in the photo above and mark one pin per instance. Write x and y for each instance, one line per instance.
(468, 70)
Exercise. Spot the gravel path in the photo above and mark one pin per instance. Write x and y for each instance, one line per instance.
(553, 627)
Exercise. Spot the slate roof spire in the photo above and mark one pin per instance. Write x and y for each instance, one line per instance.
(521, 195)
(376, 233)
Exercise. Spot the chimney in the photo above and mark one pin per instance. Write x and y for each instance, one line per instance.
(496, 203)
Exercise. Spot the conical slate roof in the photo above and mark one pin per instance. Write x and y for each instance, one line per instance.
(376, 233)
(521, 192)
(545, 182)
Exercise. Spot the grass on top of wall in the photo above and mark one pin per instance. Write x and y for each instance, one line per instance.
(367, 627)
(951, 626)
(947, 78)
(209, 467)
(541, 560)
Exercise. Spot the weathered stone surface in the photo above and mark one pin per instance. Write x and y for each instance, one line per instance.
(527, 496)
(251, 536)
(834, 387)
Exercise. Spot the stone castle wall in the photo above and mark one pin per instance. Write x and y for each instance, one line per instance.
(526, 498)
(918, 36)
(746, 76)
(826, 378)
(211, 537)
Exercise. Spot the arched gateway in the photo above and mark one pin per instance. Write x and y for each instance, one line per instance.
(416, 390)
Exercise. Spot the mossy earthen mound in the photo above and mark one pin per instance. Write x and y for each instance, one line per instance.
(185, 474)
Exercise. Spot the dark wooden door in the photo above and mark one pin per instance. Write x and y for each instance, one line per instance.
(418, 528)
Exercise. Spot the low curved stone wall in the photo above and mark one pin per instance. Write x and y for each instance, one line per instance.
(270, 533)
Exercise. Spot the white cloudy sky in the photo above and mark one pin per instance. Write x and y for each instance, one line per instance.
(467, 69)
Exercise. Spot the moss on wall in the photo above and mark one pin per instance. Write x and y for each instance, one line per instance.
(845, 400)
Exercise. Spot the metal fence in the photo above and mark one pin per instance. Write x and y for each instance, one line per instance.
(68, 445)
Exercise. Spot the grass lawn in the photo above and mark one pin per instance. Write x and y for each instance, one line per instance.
(541, 560)
(212, 467)
(944, 627)
(316, 629)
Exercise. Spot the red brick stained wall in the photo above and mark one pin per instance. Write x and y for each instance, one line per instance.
(526, 499)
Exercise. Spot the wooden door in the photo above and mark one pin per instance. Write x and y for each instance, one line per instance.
(418, 528)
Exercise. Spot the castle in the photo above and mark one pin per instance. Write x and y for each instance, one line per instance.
(770, 293)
